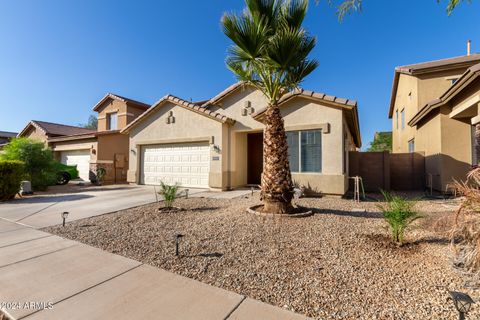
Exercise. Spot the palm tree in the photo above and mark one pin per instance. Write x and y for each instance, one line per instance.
(270, 52)
(347, 6)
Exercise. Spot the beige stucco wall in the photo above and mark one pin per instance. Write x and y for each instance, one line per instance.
(36, 134)
(126, 113)
(413, 93)
(445, 142)
(298, 114)
(188, 127)
(406, 99)
(456, 148)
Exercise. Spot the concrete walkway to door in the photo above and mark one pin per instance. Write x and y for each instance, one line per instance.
(44, 276)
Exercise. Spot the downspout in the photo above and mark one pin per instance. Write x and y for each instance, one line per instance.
(229, 166)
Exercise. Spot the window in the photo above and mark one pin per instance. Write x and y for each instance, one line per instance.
(411, 146)
(402, 116)
(112, 121)
(396, 117)
(305, 150)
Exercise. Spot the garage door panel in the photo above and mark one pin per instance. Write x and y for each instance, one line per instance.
(80, 158)
(187, 164)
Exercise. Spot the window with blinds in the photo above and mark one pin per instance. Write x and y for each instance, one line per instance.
(305, 150)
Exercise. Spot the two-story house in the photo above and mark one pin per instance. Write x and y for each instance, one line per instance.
(89, 149)
(422, 118)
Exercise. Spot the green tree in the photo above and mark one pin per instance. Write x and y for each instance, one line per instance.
(345, 7)
(38, 161)
(270, 52)
(92, 123)
(382, 141)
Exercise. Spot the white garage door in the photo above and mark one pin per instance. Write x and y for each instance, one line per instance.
(187, 164)
(80, 158)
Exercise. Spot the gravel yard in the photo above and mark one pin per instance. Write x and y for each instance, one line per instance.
(336, 264)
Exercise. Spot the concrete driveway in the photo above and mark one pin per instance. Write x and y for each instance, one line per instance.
(44, 210)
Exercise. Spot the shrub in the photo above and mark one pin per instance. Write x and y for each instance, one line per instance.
(399, 213)
(465, 233)
(38, 160)
(11, 173)
(169, 193)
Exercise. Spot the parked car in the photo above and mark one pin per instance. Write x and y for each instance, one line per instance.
(65, 173)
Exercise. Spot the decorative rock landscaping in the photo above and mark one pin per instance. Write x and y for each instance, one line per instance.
(337, 264)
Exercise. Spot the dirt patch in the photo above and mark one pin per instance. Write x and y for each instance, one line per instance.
(336, 264)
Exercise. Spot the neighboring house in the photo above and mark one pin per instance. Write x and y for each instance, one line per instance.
(91, 149)
(433, 105)
(218, 144)
(5, 137)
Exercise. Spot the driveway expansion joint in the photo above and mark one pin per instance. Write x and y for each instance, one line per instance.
(38, 256)
(12, 244)
(235, 308)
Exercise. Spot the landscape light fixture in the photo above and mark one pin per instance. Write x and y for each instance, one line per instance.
(64, 217)
(251, 189)
(463, 303)
(186, 193)
(178, 237)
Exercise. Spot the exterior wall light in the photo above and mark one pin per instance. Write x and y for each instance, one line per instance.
(64, 217)
(462, 301)
(178, 237)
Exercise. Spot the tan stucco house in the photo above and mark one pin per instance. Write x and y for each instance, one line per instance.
(89, 149)
(217, 143)
(433, 108)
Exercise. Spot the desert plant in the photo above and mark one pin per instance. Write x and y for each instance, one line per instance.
(270, 52)
(38, 160)
(399, 213)
(465, 233)
(101, 173)
(169, 193)
(11, 173)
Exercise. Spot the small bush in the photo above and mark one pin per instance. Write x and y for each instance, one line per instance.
(399, 213)
(11, 173)
(169, 193)
(38, 160)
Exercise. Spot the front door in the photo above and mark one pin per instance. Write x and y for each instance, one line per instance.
(254, 157)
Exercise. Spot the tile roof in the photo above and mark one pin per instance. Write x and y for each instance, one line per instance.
(7, 134)
(467, 77)
(350, 105)
(56, 129)
(139, 104)
(429, 66)
(450, 62)
(224, 93)
(182, 103)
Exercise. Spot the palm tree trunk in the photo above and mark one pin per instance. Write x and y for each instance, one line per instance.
(277, 186)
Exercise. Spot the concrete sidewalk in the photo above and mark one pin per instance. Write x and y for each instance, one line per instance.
(76, 281)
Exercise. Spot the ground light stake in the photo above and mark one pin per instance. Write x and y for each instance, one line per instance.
(463, 303)
(178, 237)
(64, 217)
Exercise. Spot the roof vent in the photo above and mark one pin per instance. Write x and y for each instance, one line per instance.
(469, 45)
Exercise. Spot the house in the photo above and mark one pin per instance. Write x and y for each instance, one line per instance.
(433, 108)
(92, 149)
(5, 137)
(218, 144)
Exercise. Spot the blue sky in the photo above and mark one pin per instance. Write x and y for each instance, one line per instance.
(58, 58)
